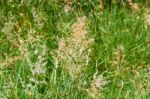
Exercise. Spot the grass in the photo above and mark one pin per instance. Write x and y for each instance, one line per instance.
(51, 50)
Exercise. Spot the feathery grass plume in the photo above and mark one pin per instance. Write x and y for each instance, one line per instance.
(141, 81)
(8, 28)
(6, 89)
(101, 4)
(118, 56)
(67, 6)
(32, 51)
(96, 87)
(39, 17)
(133, 6)
(147, 19)
(38, 71)
(97, 84)
(37, 66)
(74, 51)
(10, 61)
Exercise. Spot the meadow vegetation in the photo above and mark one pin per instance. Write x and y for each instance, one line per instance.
(74, 49)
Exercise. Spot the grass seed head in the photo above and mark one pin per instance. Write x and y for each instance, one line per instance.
(96, 87)
(75, 50)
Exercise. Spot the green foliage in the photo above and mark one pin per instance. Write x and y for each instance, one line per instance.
(45, 43)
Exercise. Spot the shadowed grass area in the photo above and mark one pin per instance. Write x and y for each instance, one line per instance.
(74, 49)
